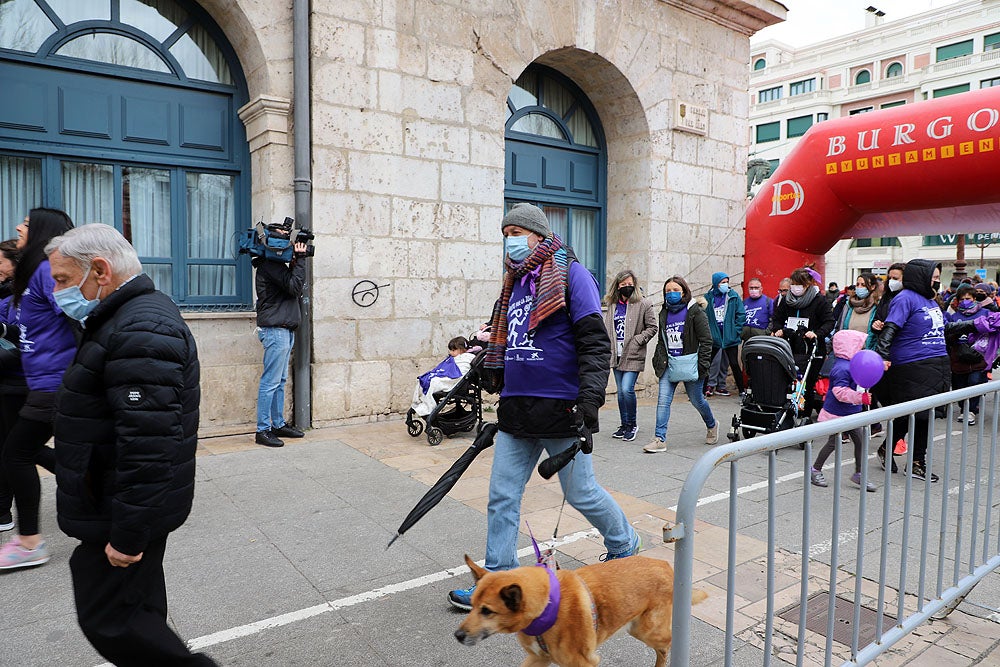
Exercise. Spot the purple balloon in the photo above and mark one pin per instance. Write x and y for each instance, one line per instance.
(867, 368)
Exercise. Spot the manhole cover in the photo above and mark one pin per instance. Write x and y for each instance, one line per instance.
(843, 614)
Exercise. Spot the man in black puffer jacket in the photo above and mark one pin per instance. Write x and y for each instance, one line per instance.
(126, 430)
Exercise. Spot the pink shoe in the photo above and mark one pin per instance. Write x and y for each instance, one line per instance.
(13, 555)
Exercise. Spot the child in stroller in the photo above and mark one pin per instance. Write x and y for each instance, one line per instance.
(448, 398)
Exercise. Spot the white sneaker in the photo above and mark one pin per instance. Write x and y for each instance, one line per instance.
(712, 435)
(655, 447)
(971, 420)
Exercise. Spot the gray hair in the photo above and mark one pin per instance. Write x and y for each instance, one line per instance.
(87, 242)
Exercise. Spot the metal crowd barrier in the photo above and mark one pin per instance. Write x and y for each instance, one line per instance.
(967, 529)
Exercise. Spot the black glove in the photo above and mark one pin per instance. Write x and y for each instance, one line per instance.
(588, 412)
(885, 338)
(586, 426)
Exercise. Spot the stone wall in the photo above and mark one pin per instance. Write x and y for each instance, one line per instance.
(408, 108)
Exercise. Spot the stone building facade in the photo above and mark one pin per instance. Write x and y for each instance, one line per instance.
(408, 104)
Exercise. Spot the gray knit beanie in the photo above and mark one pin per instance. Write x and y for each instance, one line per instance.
(527, 216)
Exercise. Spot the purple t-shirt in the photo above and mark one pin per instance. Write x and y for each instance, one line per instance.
(544, 364)
(758, 311)
(921, 328)
(620, 309)
(719, 305)
(673, 332)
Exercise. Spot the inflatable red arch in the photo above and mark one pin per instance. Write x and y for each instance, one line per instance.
(926, 168)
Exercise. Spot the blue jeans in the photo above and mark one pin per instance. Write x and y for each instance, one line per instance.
(625, 381)
(514, 461)
(696, 394)
(277, 343)
(963, 380)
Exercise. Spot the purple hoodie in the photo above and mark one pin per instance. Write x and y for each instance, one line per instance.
(47, 342)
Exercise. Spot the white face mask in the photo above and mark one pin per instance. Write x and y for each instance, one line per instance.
(895, 285)
(797, 290)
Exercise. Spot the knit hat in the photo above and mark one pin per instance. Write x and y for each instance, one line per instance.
(986, 287)
(717, 278)
(527, 216)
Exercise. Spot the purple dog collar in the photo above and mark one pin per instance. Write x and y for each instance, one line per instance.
(548, 617)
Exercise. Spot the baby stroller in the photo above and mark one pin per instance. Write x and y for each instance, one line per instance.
(776, 396)
(460, 409)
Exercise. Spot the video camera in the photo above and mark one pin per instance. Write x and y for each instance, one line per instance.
(276, 241)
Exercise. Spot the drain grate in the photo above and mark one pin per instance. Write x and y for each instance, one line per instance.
(843, 614)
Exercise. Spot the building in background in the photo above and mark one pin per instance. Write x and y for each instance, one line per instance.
(941, 52)
(171, 119)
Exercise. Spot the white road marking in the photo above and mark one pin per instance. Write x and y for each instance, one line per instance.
(222, 636)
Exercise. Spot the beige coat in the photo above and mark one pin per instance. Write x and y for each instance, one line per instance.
(640, 328)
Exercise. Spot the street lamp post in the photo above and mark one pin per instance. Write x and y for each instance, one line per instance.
(960, 258)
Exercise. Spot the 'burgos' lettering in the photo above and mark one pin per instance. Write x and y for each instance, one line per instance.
(939, 128)
(779, 200)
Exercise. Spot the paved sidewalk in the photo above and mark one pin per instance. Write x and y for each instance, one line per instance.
(283, 559)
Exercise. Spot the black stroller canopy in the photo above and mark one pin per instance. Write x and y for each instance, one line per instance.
(771, 347)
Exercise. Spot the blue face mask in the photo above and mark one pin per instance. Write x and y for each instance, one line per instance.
(673, 298)
(517, 247)
(966, 303)
(861, 292)
(73, 303)
(723, 287)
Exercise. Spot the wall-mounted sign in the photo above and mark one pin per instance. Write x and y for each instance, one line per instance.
(690, 118)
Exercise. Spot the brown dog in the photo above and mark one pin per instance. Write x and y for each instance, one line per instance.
(596, 602)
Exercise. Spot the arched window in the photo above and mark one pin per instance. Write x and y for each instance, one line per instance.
(864, 76)
(556, 159)
(124, 112)
(894, 70)
(759, 64)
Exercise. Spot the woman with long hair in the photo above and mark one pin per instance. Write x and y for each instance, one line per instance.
(683, 331)
(857, 311)
(631, 324)
(12, 386)
(47, 343)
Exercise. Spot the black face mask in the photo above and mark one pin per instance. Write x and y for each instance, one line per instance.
(980, 297)
(936, 285)
(626, 292)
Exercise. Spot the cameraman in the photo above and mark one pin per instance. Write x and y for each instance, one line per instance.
(279, 289)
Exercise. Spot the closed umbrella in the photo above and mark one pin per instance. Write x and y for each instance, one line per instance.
(448, 480)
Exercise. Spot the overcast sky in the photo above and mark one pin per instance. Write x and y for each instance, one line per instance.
(811, 21)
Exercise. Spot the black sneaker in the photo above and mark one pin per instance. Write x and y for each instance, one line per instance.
(881, 459)
(288, 431)
(630, 433)
(920, 472)
(268, 439)
(722, 391)
(6, 521)
(620, 433)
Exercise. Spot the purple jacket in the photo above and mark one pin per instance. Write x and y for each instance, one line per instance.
(987, 338)
(47, 342)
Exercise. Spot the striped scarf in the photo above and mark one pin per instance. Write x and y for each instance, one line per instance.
(547, 267)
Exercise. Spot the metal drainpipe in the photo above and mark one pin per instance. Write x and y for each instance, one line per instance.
(302, 396)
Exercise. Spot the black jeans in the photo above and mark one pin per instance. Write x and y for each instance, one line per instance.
(10, 404)
(123, 611)
(22, 447)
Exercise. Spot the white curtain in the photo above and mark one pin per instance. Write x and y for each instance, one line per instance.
(20, 190)
(88, 192)
(211, 228)
(585, 238)
(200, 57)
(146, 220)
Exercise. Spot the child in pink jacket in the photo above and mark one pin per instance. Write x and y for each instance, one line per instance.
(843, 398)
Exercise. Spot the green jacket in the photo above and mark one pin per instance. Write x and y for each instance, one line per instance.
(695, 337)
(731, 334)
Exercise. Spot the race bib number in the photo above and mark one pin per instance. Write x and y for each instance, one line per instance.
(796, 322)
(674, 340)
(720, 313)
(621, 347)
